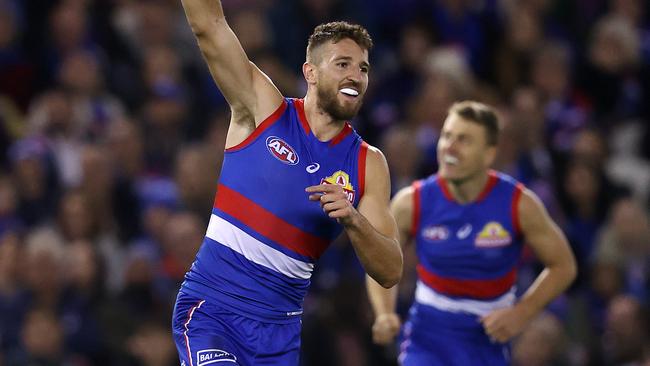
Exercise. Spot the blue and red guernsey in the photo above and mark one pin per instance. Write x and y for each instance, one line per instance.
(467, 253)
(264, 234)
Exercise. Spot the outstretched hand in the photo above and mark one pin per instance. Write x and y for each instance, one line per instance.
(334, 201)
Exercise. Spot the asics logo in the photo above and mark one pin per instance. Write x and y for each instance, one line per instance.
(464, 231)
(312, 168)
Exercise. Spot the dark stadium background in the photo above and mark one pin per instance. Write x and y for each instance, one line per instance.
(112, 133)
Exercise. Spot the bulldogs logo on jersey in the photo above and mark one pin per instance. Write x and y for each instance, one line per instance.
(493, 235)
(282, 150)
(343, 179)
(435, 233)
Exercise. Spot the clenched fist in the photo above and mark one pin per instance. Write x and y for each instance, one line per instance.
(385, 328)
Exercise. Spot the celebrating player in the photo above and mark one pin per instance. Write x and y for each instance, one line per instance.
(295, 175)
(469, 224)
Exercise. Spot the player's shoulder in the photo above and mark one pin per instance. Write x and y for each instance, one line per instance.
(402, 201)
(527, 201)
(373, 151)
(506, 178)
(375, 159)
(425, 184)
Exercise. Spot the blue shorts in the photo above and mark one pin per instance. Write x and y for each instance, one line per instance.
(433, 337)
(205, 334)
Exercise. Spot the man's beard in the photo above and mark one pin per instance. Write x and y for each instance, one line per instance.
(328, 102)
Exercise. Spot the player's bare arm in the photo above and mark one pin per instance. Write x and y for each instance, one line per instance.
(250, 93)
(371, 228)
(384, 301)
(551, 247)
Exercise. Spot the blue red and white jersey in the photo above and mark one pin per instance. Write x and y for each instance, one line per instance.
(467, 253)
(264, 234)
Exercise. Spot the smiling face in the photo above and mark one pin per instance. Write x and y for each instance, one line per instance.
(463, 150)
(339, 72)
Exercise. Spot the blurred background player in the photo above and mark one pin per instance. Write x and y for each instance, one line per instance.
(469, 224)
(295, 174)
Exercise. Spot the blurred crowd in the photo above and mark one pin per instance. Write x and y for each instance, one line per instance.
(112, 135)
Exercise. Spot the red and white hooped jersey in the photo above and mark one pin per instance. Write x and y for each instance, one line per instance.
(264, 234)
(467, 253)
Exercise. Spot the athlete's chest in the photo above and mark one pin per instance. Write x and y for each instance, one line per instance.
(296, 160)
(476, 232)
(466, 227)
(283, 160)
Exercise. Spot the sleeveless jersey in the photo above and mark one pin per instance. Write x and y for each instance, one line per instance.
(467, 253)
(265, 234)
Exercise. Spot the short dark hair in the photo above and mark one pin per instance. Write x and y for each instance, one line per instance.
(336, 31)
(479, 113)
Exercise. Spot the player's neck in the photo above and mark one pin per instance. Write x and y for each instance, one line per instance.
(322, 125)
(470, 189)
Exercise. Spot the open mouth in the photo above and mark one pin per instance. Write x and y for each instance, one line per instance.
(451, 160)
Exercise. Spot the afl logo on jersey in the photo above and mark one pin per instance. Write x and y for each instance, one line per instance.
(435, 233)
(281, 150)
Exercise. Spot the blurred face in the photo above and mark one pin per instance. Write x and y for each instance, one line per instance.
(80, 73)
(7, 197)
(30, 177)
(81, 267)
(184, 235)
(59, 111)
(190, 161)
(152, 345)
(525, 29)
(551, 75)
(622, 317)
(624, 329)
(341, 78)
(538, 344)
(632, 227)
(68, 26)
(7, 29)
(463, 151)
(43, 271)
(9, 256)
(162, 65)
(42, 335)
(125, 144)
(630, 9)
(582, 184)
(589, 145)
(97, 171)
(76, 218)
(414, 43)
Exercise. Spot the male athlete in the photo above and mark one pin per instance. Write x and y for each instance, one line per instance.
(469, 224)
(295, 174)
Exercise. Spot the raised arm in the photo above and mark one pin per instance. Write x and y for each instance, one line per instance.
(250, 93)
(384, 301)
(552, 249)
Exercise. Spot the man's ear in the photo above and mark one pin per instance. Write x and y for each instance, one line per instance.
(310, 73)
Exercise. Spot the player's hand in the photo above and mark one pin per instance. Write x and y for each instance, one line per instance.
(501, 325)
(385, 328)
(333, 200)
